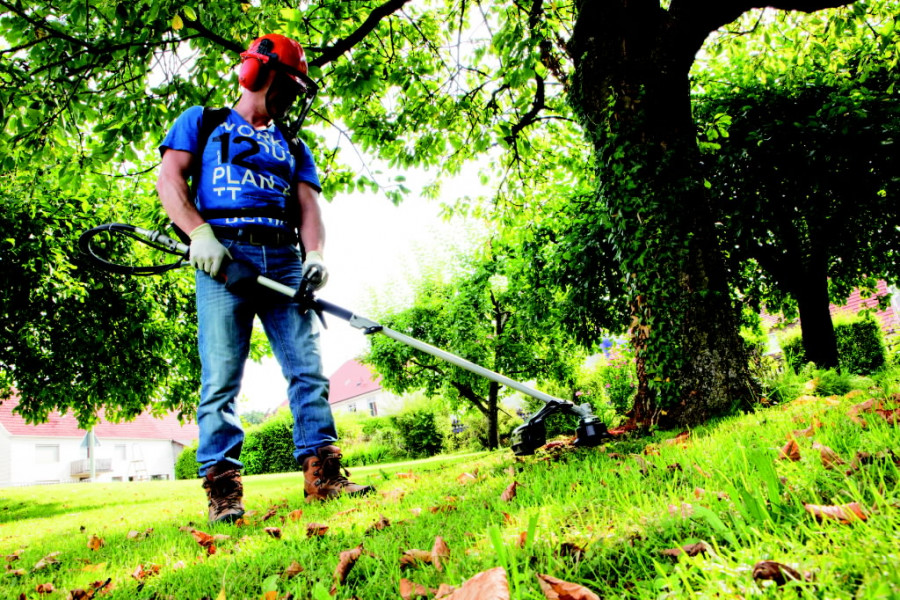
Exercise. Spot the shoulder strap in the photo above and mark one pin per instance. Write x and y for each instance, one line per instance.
(212, 118)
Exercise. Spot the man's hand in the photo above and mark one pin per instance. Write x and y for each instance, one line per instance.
(206, 251)
(314, 269)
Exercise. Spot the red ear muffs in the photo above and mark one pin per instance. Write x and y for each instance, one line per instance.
(254, 72)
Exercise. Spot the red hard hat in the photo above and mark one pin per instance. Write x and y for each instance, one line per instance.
(271, 51)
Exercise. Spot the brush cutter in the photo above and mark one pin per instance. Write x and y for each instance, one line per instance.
(106, 245)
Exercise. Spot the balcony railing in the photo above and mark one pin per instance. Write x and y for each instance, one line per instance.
(82, 468)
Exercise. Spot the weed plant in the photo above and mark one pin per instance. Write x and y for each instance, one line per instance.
(604, 518)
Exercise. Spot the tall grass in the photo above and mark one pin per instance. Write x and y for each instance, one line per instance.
(601, 518)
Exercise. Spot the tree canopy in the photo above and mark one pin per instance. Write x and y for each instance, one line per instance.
(543, 92)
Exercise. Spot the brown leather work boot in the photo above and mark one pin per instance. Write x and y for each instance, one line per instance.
(225, 492)
(323, 478)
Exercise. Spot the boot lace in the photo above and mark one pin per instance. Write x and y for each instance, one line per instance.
(330, 471)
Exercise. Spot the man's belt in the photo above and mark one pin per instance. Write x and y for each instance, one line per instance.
(258, 236)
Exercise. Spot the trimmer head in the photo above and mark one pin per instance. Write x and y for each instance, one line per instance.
(532, 434)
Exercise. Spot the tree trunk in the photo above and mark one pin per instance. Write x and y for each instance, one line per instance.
(632, 93)
(811, 293)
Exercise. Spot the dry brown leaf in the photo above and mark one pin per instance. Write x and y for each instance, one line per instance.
(465, 478)
(314, 529)
(700, 547)
(205, 540)
(293, 570)
(845, 513)
(380, 524)
(487, 585)
(142, 572)
(295, 515)
(700, 470)
(416, 511)
(557, 589)
(809, 431)
(44, 588)
(45, 562)
(791, 451)
(869, 405)
(439, 552)
(393, 495)
(407, 475)
(411, 558)
(571, 550)
(522, 539)
(95, 543)
(510, 492)
(768, 570)
(891, 416)
(830, 459)
(136, 535)
(275, 532)
(682, 439)
(270, 513)
(444, 590)
(410, 590)
(347, 559)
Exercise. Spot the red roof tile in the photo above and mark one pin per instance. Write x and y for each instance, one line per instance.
(144, 426)
(856, 303)
(352, 379)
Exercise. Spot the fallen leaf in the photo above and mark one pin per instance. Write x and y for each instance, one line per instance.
(791, 451)
(830, 459)
(45, 562)
(408, 475)
(557, 589)
(845, 513)
(380, 524)
(571, 550)
(768, 570)
(416, 511)
(891, 416)
(295, 515)
(439, 552)
(809, 431)
(487, 585)
(136, 535)
(347, 559)
(410, 558)
(270, 513)
(293, 570)
(44, 588)
(410, 590)
(95, 543)
(510, 492)
(205, 540)
(142, 572)
(94, 568)
(700, 547)
(275, 532)
(465, 478)
(682, 439)
(314, 529)
(444, 590)
(868, 406)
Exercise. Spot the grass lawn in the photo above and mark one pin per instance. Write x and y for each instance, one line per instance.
(608, 519)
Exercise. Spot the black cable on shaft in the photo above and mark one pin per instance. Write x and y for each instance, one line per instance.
(86, 239)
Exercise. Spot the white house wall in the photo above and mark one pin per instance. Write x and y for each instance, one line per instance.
(18, 464)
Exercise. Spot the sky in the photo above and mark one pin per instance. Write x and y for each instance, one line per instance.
(373, 248)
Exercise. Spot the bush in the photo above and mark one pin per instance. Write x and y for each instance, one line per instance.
(186, 466)
(269, 447)
(860, 345)
(473, 434)
(418, 429)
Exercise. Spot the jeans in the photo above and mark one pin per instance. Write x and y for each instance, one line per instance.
(225, 322)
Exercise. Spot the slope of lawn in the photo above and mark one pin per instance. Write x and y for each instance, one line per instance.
(810, 486)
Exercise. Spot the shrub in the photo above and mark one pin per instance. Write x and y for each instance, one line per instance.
(186, 466)
(418, 429)
(860, 345)
(269, 447)
(473, 434)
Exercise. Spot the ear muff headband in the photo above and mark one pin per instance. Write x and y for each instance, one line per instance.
(255, 66)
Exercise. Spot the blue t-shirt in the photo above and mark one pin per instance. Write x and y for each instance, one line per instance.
(242, 168)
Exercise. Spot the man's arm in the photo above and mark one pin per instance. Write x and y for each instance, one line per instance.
(173, 190)
(312, 235)
(312, 229)
(206, 252)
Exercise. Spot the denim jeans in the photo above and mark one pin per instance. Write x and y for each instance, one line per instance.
(225, 322)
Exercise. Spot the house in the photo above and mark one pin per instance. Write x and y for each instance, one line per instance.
(355, 388)
(58, 451)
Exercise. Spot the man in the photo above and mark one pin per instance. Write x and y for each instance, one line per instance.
(242, 204)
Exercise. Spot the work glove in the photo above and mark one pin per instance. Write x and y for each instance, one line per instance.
(206, 252)
(314, 270)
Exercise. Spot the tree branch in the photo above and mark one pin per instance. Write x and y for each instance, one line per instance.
(332, 53)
